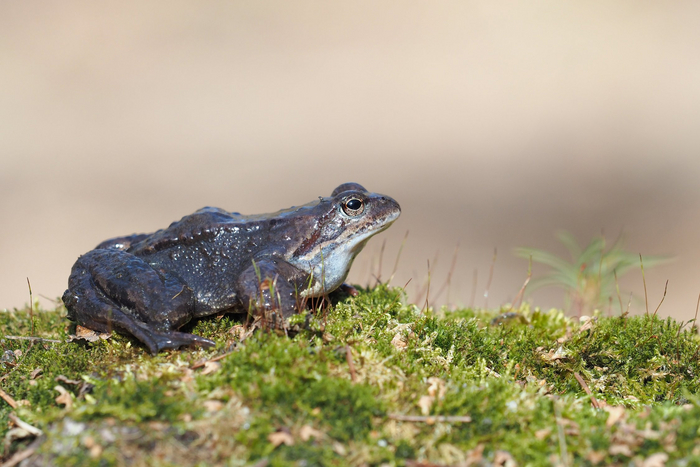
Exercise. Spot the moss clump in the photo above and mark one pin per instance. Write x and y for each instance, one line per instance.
(372, 380)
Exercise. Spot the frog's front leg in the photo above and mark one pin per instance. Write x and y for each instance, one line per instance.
(110, 289)
(270, 288)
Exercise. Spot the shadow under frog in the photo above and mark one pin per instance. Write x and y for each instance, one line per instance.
(213, 261)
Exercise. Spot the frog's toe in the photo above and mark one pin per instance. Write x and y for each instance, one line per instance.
(175, 340)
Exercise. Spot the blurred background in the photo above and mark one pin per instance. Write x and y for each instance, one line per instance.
(493, 124)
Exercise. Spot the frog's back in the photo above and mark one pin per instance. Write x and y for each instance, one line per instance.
(201, 226)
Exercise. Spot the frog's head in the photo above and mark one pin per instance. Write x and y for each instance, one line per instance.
(342, 225)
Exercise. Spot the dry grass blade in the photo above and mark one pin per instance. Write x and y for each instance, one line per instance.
(215, 359)
(521, 292)
(488, 284)
(427, 293)
(594, 401)
(662, 299)
(423, 290)
(473, 297)
(448, 282)
(452, 270)
(378, 277)
(430, 419)
(33, 339)
(31, 306)
(351, 364)
(563, 452)
(695, 318)
(398, 256)
(646, 298)
(617, 288)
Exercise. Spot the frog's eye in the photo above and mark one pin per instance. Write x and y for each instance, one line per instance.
(353, 207)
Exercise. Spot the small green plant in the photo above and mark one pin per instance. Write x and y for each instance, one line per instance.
(590, 278)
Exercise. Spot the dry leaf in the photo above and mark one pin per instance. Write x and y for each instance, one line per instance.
(596, 457)
(425, 403)
(280, 437)
(554, 355)
(475, 456)
(503, 458)
(399, 341)
(307, 432)
(238, 331)
(158, 426)
(187, 375)
(63, 379)
(96, 451)
(94, 448)
(35, 373)
(87, 334)
(543, 433)
(213, 405)
(586, 323)
(620, 449)
(211, 367)
(339, 449)
(437, 389)
(65, 397)
(656, 460)
(615, 414)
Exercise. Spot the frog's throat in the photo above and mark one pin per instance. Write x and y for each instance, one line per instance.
(329, 263)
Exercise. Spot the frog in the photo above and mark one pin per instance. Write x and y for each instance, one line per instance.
(211, 262)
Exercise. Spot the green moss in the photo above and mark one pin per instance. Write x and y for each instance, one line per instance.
(292, 399)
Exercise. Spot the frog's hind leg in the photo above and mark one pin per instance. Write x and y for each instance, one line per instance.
(114, 290)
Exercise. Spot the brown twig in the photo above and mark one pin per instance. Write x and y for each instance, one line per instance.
(24, 454)
(32, 430)
(594, 401)
(430, 419)
(8, 398)
(351, 364)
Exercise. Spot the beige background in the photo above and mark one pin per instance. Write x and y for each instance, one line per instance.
(494, 124)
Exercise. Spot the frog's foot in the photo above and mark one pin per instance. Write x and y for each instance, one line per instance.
(157, 341)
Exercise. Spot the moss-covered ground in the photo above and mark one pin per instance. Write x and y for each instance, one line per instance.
(371, 381)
